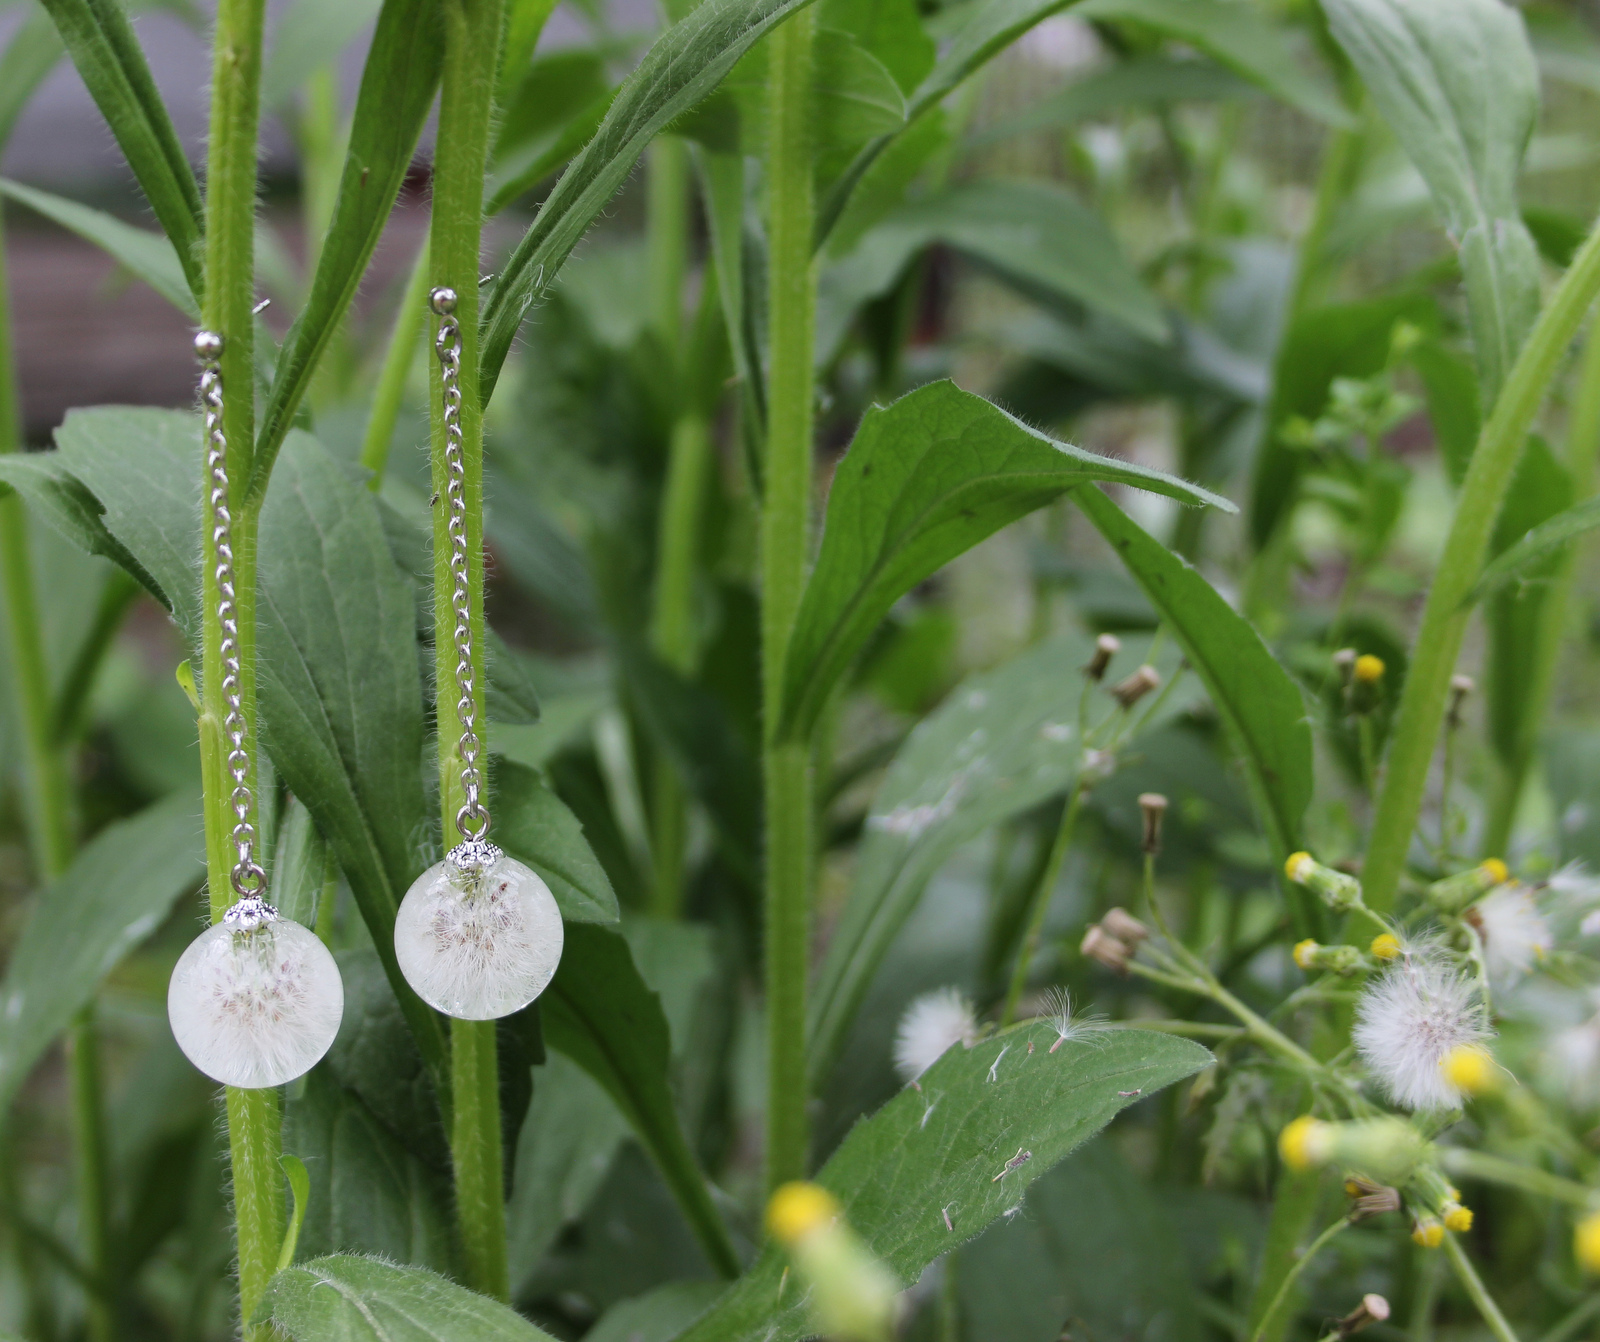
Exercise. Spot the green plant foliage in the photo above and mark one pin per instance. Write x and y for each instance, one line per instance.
(30, 55)
(1524, 560)
(368, 1300)
(936, 1150)
(534, 825)
(925, 479)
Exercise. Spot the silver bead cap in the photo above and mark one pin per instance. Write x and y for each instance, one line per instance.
(473, 855)
(250, 913)
(208, 346)
(442, 300)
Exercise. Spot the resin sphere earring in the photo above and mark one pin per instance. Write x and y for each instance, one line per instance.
(256, 1000)
(478, 935)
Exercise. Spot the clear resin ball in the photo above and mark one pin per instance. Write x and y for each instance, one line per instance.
(478, 935)
(255, 1003)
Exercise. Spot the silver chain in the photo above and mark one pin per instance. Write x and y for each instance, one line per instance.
(248, 879)
(472, 820)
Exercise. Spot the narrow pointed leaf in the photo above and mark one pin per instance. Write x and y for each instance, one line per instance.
(358, 1299)
(935, 1152)
(101, 41)
(1523, 559)
(148, 256)
(1256, 698)
(397, 88)
(119, 889)
(925, 479)
(31, 54)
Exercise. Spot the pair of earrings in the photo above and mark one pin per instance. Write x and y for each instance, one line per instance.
(256, 1000)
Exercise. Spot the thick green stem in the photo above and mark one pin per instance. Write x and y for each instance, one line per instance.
(409, 325)
(1444, 618)
(254, 1123)
(466, 98)
(1294, 1203)
(785, 516)
(1039, 903)
(1468, 1276)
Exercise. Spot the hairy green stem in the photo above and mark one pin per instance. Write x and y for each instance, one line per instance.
(1445, 617)
(254, 1121)
(410, 323)
(466, 103)
(1468, 1276)
(1039, 902)
(785, 516)
(1466, 1163)
(1281, 1296)
(1294, 1203)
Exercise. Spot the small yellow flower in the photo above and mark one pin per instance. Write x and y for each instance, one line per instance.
(1304, 1143)
(1299, 866)
(1495, 870)
(1586, 1241)
(1457, 1217)
(1471, 1068)
(797, 1209)
(1385, 946)
(1369, 669)
(1428, 1233)
(1304, 952)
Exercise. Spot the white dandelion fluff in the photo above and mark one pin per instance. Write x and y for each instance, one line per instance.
(932, 1024)
(1572, 1057)
(1058, 1011)
(1514, 933)
(1409, 1020)
(478, 942)
(257, 1007)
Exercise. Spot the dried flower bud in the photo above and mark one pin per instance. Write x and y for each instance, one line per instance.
(1098, 944)
(1372, 1309)
(1460, 688)
(1345, 660)
(1369, 1199)
(1124, 926)
(1106, 647)
(1454, 893)
(1153, 806)
(1128, 692)
(1337, 890)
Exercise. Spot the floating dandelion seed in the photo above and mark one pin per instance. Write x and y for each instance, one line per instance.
(1407, 1023)
(932, 1024)
(1058, 1011)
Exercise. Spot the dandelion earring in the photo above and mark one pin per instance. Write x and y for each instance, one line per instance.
(478, 935)
(256, 1000)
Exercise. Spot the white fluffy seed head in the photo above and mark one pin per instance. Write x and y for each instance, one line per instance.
(1408, 1021)
(932, 1024)
(1515, 934)
(481, 943)
(256, 1008)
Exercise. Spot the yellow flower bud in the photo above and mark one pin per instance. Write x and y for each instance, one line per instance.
(1305, 952)
(1495, 870)
(1457, 1217)
(1305, 1143)
(1299, 866)
(1471, 1068)
(1586, 1241)
(1369, 669)
(1428, 1233)
(797, 1209)
(1385, 946)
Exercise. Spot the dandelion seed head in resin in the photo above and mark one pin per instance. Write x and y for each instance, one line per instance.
(478, 935)
(256, 1000)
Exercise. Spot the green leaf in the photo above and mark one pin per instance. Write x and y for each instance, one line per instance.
(656, 1316)
(1526, 557)
(1143, 81)
(1457, 83)
(340, 690)
(535, 826)
(599, 1012)
(370, 1195)
(520, 171)
(509, 694)
(309, 34)
(101, 41)
(148, 256)
(555, 93)
(1034, 234)
(294, 1170)
(936, 1150)
(1451, 387)
(119, 889)
(925, 479)
(1236, 35)
(1002, 742)
(31, 54)
(358, 1299)
(680, 69)
(299, 865)
(397, 87)
(1254, 695)
(891, 30)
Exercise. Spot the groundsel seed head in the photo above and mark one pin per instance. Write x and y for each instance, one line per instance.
(1336, 889)
(1408, 1022)
(1369, 1199)
(255, 1008)
(1106, 647)
(1372, 1309)
(479, 942)
(1515, 934)
(931, 1025)
(1128, 692)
